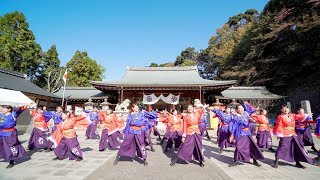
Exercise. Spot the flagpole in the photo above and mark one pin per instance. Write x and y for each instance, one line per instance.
(64, 88)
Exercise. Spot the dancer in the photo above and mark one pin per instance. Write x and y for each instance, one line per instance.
(56, 116)
(264, 139)
(163, 117)
(109, 135)
(134, 142)
(191, 138)
(65, 138)
(203, 126)
(246, 148)
(38, 138)
(175, 123)
(10, 146)
(91, 132)
(290, 147)
(303, 129)
(121, 125)
(224, 130)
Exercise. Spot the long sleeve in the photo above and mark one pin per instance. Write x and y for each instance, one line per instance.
(278, 128)
(219, 113)
(9, 121)
(249, 108)
(48, 115)
(127, 128)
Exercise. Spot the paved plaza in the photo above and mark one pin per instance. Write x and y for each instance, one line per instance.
(99, 165)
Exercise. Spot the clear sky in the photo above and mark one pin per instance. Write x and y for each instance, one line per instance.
(121, 33)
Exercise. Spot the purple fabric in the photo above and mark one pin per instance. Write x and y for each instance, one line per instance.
(264, 139)
(69, 146)
(174, 137)
(202, 130)
(156, 131)
(166, 135)
(10, 147)
(38, 139)
(223, 140)
(253, 129)
(238, 123)
(305, 137)
(119, 134)
(138, 119)
(8, 121)
(249, 108)
(132, 145)
(147, 138)
(92, 132)
(317, 129)
(290, 149)
(191, 147)
(246, 149)
(108, 141)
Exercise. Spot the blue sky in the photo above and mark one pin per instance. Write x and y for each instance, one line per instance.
(121, 33)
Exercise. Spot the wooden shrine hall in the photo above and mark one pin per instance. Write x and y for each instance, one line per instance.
(184, 81)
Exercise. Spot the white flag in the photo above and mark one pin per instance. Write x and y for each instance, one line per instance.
(64, 77)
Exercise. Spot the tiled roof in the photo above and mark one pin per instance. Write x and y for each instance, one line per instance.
(162, 76)
(82, 93)
(254, 92)
(17, 81)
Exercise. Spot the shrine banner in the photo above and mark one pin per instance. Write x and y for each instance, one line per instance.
(150, 99)
(170, 99)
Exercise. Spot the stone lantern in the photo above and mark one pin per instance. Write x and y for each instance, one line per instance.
(233, 104)
(89, 105)
(217, 104)
(105, 105)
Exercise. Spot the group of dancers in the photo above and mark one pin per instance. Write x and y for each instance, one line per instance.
(185, 131)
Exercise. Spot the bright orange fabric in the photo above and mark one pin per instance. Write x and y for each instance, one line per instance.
(110, 123)
(285, 126)
(191, 122)
(39, 120)
(120, 123)
(262, 122)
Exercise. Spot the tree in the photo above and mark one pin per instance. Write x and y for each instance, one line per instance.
(51, 72)
(280, 48)
(153, 65)
(187, 57)
(18, 48)
(82, 69)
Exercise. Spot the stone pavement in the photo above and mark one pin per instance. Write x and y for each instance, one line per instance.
(216, 166)
(39, 165)
(158, 168)
(249, 171)
(99, 165)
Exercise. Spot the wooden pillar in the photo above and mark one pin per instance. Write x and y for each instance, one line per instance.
(121, 95)
(48, 102)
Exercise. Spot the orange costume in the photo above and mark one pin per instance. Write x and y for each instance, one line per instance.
(262, 122)
(110, 123)
(285, 125)
(120, 123)
(66, 129)
(191, 122)
(109, 135)
(39, 120)
(175, 122)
